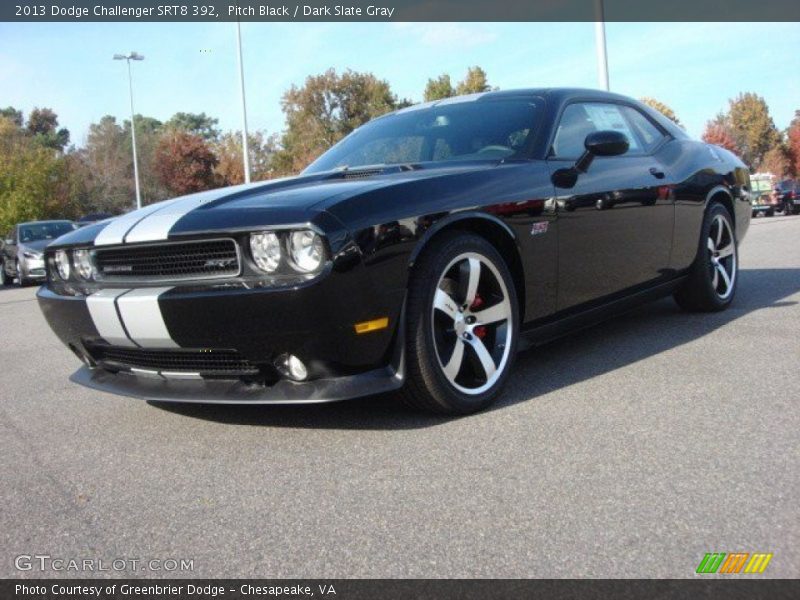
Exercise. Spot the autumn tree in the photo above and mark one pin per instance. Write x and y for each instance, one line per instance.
(197, 123)
(752, 128)
(718, 132)
(793, 141)
(43, 125)
(439, 88)
(474, 82)
(777, 161)
(662, 108)
(228, 150)
(149, 132)
(184, 163)
(324, 110)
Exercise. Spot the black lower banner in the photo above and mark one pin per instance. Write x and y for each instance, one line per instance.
(373, 589)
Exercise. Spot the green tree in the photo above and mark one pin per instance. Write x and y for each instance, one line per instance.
(43, 125)
(35, 181)
(439, 88)
(662, 108)
(196, 123)
(474, 82)
(108, 159)
(324, 110)
(11, 113)
(752, 127)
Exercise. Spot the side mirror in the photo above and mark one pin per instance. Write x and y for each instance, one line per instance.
(601, 143)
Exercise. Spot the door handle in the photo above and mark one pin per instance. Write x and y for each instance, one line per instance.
(656, 172)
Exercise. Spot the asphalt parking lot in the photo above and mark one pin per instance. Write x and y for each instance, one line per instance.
(628, 450)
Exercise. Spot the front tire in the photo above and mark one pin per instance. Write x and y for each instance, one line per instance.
(713, 276)
(462, 326)
(21, 281)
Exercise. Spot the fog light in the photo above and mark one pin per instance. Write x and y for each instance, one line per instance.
(292, 367)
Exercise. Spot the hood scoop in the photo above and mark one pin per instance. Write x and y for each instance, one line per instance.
(361, 174)
(345, 174)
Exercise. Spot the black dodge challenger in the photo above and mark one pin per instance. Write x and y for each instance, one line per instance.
(415, 254)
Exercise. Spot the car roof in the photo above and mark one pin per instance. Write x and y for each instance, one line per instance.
(45, 222)
(557, 98)
(556, 95)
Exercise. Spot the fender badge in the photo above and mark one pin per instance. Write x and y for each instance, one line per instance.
(539, 227)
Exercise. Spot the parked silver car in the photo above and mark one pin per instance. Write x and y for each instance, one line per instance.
(22, 255)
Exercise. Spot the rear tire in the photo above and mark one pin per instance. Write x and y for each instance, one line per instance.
(462, 326)
(713, 276)
(4, 278)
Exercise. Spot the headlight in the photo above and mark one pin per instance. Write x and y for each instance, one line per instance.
(62, 264)
(266, 251)
(306, 250)
(83, 264)
(32, 255)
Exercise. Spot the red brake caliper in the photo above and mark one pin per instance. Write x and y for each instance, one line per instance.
(479, 331)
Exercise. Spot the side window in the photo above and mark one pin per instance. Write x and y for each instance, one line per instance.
(583, 118)
(649, 134)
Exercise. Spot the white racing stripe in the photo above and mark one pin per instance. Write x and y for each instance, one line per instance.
(156, 227)
(103, 310)
(143, 319)
(114, 232)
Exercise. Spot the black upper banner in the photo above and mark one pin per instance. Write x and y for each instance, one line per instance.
(401, 10)
(399, 589)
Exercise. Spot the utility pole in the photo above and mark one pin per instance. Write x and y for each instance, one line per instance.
(128, 58)
(600, 41)
(245, 152)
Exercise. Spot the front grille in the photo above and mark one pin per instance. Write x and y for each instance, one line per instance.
(167, 262)
(209, 362)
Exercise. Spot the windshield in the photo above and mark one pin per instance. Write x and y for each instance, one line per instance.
(466, 130)
(36, 232)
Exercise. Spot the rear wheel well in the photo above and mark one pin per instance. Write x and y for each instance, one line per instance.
(724, 199)
(503, 242)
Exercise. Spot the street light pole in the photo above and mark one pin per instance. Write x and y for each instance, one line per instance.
(245, 152)
(128, 58)
(600, 41)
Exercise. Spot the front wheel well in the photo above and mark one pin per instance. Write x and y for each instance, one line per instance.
(499, 237)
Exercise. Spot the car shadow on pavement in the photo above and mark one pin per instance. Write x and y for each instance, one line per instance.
(637, 335)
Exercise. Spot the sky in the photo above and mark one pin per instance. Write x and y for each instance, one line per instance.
(695, 68)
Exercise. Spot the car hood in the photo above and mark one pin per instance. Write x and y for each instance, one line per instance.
(288, 201)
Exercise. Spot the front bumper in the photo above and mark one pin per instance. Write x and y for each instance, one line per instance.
(32, 268)
(314, 322)
(162, 389)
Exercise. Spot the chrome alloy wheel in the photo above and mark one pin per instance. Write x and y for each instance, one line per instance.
(722, 256)
(472, 323)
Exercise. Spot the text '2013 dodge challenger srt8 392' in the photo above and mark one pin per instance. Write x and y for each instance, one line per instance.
(413, 255)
